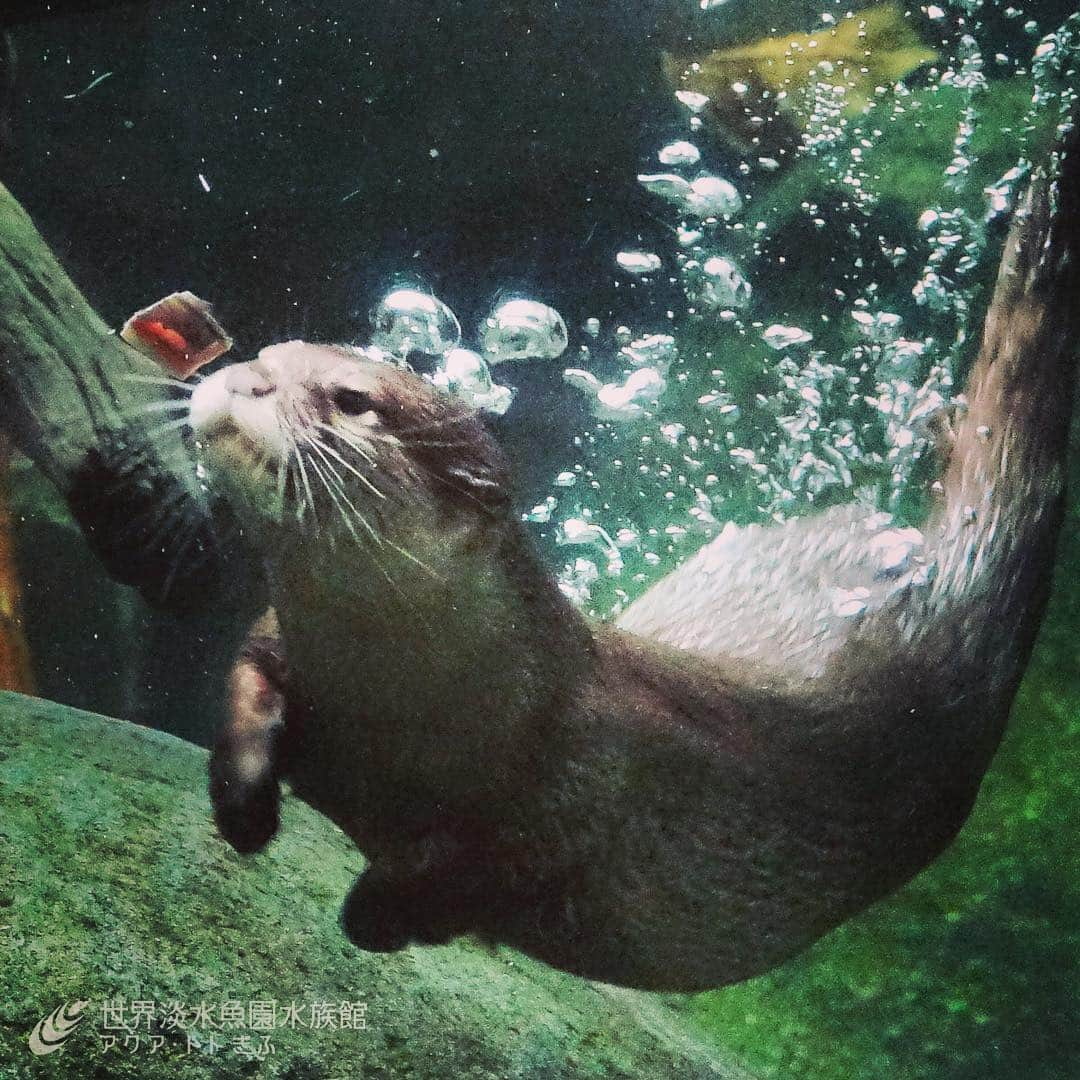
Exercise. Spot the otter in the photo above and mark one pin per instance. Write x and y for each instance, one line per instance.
(782, 731)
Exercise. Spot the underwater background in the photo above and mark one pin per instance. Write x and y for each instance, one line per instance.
(294, 163)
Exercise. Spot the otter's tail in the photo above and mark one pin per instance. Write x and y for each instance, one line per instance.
(1004, 484)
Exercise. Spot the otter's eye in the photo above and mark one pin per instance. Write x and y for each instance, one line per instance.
(352, 402)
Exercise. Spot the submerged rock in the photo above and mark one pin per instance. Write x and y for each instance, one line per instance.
(115, 887)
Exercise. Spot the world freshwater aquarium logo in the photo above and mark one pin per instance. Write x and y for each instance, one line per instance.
(236, 1029)
(52, 1031)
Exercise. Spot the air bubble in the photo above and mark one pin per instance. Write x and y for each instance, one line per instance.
(639, 262)
(523, 329)
(679, 153)
(785, 337)
(408, 320)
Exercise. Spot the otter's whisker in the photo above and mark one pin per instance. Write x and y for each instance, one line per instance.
(350, 442)
(170, 405)
(340, 494)
(360, 517)
(282, 480)
(171, 514)
(436, 425)
(369, 551)
(432, 444)
(302, 470)
(161, 380)
(341, 487)
(463, 492)
(406, 601)
(419, 562)
(144, 427)
(352, 468)
(377, 538)
(325, 481)
(156, 432)
(189, 530)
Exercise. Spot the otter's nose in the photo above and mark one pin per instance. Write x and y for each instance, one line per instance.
(249, 380)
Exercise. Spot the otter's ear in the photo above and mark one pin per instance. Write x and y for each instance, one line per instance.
(454, 447)
(481, 482)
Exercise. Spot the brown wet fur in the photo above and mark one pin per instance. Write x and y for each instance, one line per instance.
(626, 802)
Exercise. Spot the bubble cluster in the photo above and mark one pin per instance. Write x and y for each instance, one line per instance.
(781, 337)
(670, 186)
(772, 392)
(465, 373)
(652, 350)
(716, 284)
(706, 196)
(639, 262)
(713, 196)
(409, 320)
(624, 401)
(679, 153)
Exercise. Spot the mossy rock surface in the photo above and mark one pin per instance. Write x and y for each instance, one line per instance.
(114, 886)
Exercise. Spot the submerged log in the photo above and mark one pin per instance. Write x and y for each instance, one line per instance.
(74, 399)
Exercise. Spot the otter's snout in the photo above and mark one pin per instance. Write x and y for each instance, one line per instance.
(230, 403)
(249, 380)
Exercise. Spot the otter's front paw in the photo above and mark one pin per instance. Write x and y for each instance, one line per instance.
(373, 917)
(246, 814)
(416, 898)
(243, 765)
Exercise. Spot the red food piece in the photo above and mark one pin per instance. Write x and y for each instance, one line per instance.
(178, 333)
(170, 345)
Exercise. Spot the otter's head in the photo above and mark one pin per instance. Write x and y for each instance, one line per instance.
(318, 441)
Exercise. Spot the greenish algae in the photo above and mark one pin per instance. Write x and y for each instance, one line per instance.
(114, 885)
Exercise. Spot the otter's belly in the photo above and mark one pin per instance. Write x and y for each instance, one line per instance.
(693, 870)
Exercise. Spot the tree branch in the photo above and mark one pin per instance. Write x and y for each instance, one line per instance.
(71, 399)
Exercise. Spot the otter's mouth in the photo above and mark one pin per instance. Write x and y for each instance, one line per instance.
(229, 447)
(221, 429)
(237, 405)
(239, 439)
